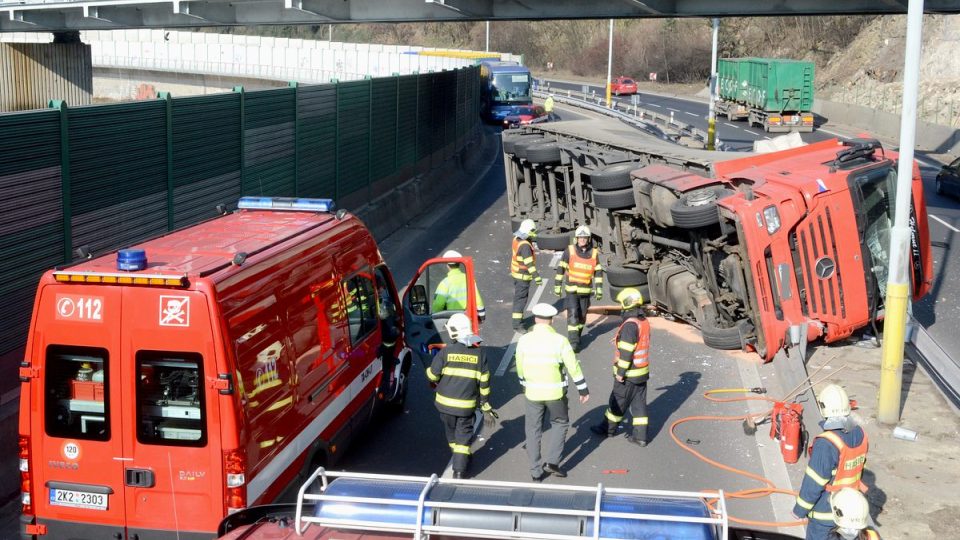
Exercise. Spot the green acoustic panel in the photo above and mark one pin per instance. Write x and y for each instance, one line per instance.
(407, 121)
(383, 139)
(353, 123)
(269, 121)
(317, 143)
(425, 124)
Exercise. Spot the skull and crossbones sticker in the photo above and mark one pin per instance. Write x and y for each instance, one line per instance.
(174, 311)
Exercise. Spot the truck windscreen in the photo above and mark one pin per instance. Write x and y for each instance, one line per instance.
(511, 87)
(875, 191)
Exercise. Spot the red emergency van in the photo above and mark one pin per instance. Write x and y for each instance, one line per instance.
(168, 385)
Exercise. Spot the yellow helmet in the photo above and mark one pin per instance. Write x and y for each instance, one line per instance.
(630, 298)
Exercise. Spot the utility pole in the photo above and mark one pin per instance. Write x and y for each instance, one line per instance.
(488, 37)
(330, 33)
(609, 62)
(898, 282)
(712, 121)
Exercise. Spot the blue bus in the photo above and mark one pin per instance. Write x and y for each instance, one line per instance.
(503, 85)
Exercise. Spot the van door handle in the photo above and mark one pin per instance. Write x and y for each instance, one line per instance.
(139, 478)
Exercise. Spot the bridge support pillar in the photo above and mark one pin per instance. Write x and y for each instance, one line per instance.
(33, 74)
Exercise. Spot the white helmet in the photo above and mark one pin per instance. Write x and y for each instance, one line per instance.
(850, 509)
(582, 232)
(833, 402)
(527, 228)
(458, 326)
(452, 254)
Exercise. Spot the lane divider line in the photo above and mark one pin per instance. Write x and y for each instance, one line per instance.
(692, 114)
(945, 224)
(507, 357)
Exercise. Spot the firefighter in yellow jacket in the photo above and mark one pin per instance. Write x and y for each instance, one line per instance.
(584, 276)
(523, 269)
(631, 370)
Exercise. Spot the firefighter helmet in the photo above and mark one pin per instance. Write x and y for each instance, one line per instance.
(452, 254)
(458, 326)
(527, 228)
(582, 232)
(850, 509)
(833, 402)
(629, 298)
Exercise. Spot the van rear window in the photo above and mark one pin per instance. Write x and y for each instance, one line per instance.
(77, 393)
(170, 399)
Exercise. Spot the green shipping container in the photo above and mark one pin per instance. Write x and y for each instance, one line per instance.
(769, 84)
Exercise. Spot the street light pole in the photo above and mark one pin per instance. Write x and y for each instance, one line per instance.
(898, 283)
(488, 37)
(609, 62)
(712, 121)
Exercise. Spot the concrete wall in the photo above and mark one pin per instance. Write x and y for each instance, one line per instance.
(118, 84)
(932, 138)
(31, 74)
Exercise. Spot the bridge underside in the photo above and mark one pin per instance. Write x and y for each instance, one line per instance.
(66, 15)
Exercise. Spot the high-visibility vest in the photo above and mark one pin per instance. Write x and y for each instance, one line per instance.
(639, 365)
(518, 268)
(581, 269)
(544, 358)
(849, 465)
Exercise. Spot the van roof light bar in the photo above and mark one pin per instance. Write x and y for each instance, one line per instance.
(121, 278)
(293, 204)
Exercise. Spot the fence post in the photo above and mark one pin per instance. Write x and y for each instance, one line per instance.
(416, 128)
(396, 128)
(67, 209)
(243, 139)
(168, 112)
(336, 140)
(296, 138)
(369, 137)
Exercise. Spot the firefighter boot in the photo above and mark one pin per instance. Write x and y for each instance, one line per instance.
(602, 430)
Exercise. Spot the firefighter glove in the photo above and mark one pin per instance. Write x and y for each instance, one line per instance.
(598, 294)
(490, 418)
(556, 289)
(538, 280)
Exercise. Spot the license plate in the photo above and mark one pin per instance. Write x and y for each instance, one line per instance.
(78, 499)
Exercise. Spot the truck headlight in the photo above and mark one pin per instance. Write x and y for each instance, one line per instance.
(772, 217)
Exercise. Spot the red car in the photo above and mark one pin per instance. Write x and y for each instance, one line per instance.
(522, 115)
(623, 85)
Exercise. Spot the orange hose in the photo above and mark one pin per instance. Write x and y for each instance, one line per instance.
(769, 487)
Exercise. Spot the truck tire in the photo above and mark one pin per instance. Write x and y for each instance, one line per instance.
(698, 208)
(546, 153)
(509, 144)
(614, 200)
(613, 177)
(624, 276)
(553, 241)
(520, 147)
(726, 339)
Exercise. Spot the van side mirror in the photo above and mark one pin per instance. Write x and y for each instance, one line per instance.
(418, 300)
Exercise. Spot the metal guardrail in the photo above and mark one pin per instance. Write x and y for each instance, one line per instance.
(943, 370)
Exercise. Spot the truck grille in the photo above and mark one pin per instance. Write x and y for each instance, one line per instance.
(818, 271)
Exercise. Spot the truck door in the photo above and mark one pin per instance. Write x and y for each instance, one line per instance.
(172, 453)
(425, 311)
(76, 425)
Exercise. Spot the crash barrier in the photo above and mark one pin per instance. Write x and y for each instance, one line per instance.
(930, 137)
(101, 177)
(942, 369)
(663, 126)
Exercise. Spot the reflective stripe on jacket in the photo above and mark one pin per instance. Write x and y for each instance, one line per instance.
(849, 464)
(544, 358)
(452, 293)
(813, 500)
(522, 261)
(584, 272)
(633, 348)
(462, 379)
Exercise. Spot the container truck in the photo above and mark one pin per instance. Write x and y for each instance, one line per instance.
(771, 93)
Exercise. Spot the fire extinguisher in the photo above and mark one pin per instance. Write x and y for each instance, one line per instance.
(787, 427)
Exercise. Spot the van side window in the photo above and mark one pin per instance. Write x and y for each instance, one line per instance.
(361, 303)
(77, 393)
(170, 399)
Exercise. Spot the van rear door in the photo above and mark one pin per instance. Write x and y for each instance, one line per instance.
(421, 320)
(173, 467)
(76, 425)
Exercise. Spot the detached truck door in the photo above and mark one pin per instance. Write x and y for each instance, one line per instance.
(76, 423)
(173, 465)
(422, 323)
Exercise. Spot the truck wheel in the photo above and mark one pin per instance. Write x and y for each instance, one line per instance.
(509, 143)
(726, 339)
(544, 153)
(698, 208)
(553, 241)
(624, 276)
(614, 200)
(520, 147)
(613, 177)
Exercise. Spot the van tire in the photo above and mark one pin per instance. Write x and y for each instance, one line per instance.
(726, 339)
(624, 276)
(687, 215)
(546, 153)
(614, 200)
(553, 241)
(613, 177)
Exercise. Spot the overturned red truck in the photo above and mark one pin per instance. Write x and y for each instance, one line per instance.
(761, 252)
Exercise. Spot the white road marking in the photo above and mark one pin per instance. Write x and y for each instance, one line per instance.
(767, 138)
(653, 105)
(692, 114)
(507, 357)
(731, 125)
(674, 110)
(945, 224)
